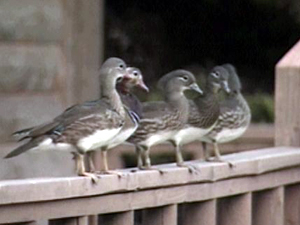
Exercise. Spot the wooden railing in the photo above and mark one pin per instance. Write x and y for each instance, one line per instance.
(263, 187)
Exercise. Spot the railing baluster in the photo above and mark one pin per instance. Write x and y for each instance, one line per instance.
(93, 220)
(166, 215)
(82, 220)
(235, 210)
(292, 205)
(123, 218)
(199, 213)
(268, 207)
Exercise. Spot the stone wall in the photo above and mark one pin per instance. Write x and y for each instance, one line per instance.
(44, 66)
(50, 52)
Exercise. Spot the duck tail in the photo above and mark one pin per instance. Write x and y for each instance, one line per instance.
(25, 147)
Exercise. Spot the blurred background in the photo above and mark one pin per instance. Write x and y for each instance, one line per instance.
(50, 52)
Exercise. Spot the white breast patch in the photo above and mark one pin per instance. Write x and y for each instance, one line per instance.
(122, 137)
(158, 138)
(190, 134)
(227, 135)
(98, 139)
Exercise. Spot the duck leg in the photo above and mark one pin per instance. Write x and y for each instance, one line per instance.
(147, 158)
(80, 167)
(205, 151)
(180, 161)
(140, 163)
(139, 157)
(91, 163)
(217, 157)
(146, 153)
(105, 169)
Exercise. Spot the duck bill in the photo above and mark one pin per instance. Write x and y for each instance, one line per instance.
(143, 86)
(225, 87)
(196, 88)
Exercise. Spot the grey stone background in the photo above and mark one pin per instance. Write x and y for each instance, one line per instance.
(49, 55)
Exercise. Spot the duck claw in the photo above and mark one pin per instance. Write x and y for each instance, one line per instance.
(220, 161)
(191, 168)
(111, 172)
(93, 177)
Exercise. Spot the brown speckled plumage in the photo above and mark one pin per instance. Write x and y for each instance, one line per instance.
(162, 119)
(235, 113)
(169, 119)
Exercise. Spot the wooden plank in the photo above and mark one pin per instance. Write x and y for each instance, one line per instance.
(292, 205)
(122, 218)
(146, 198)
(246, 163)
(199, 213)
(93, 220)
(268, 207)
(287, 95)
(166, 215)
(235, 210)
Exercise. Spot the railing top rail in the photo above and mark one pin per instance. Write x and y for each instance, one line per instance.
(245, 164)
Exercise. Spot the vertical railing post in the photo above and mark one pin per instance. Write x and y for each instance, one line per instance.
(292, 205)
(166, 215)
(235, 210)
(268, 207)
(200, 213)
(287, 91)
(287, 118)
(123, 218)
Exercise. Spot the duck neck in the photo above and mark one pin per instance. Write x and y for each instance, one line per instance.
(179, 102)
(211, 89)
(110, 95)
(122, 89)
(208, 104)
(237, 98)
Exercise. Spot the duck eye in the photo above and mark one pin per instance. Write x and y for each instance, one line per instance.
(121, 66)
(185, 78)
(216, 74)
(135, 73)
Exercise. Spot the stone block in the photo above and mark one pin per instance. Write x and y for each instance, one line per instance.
(31, 20)
(23, 111)
(35, 164)
(29, 67)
